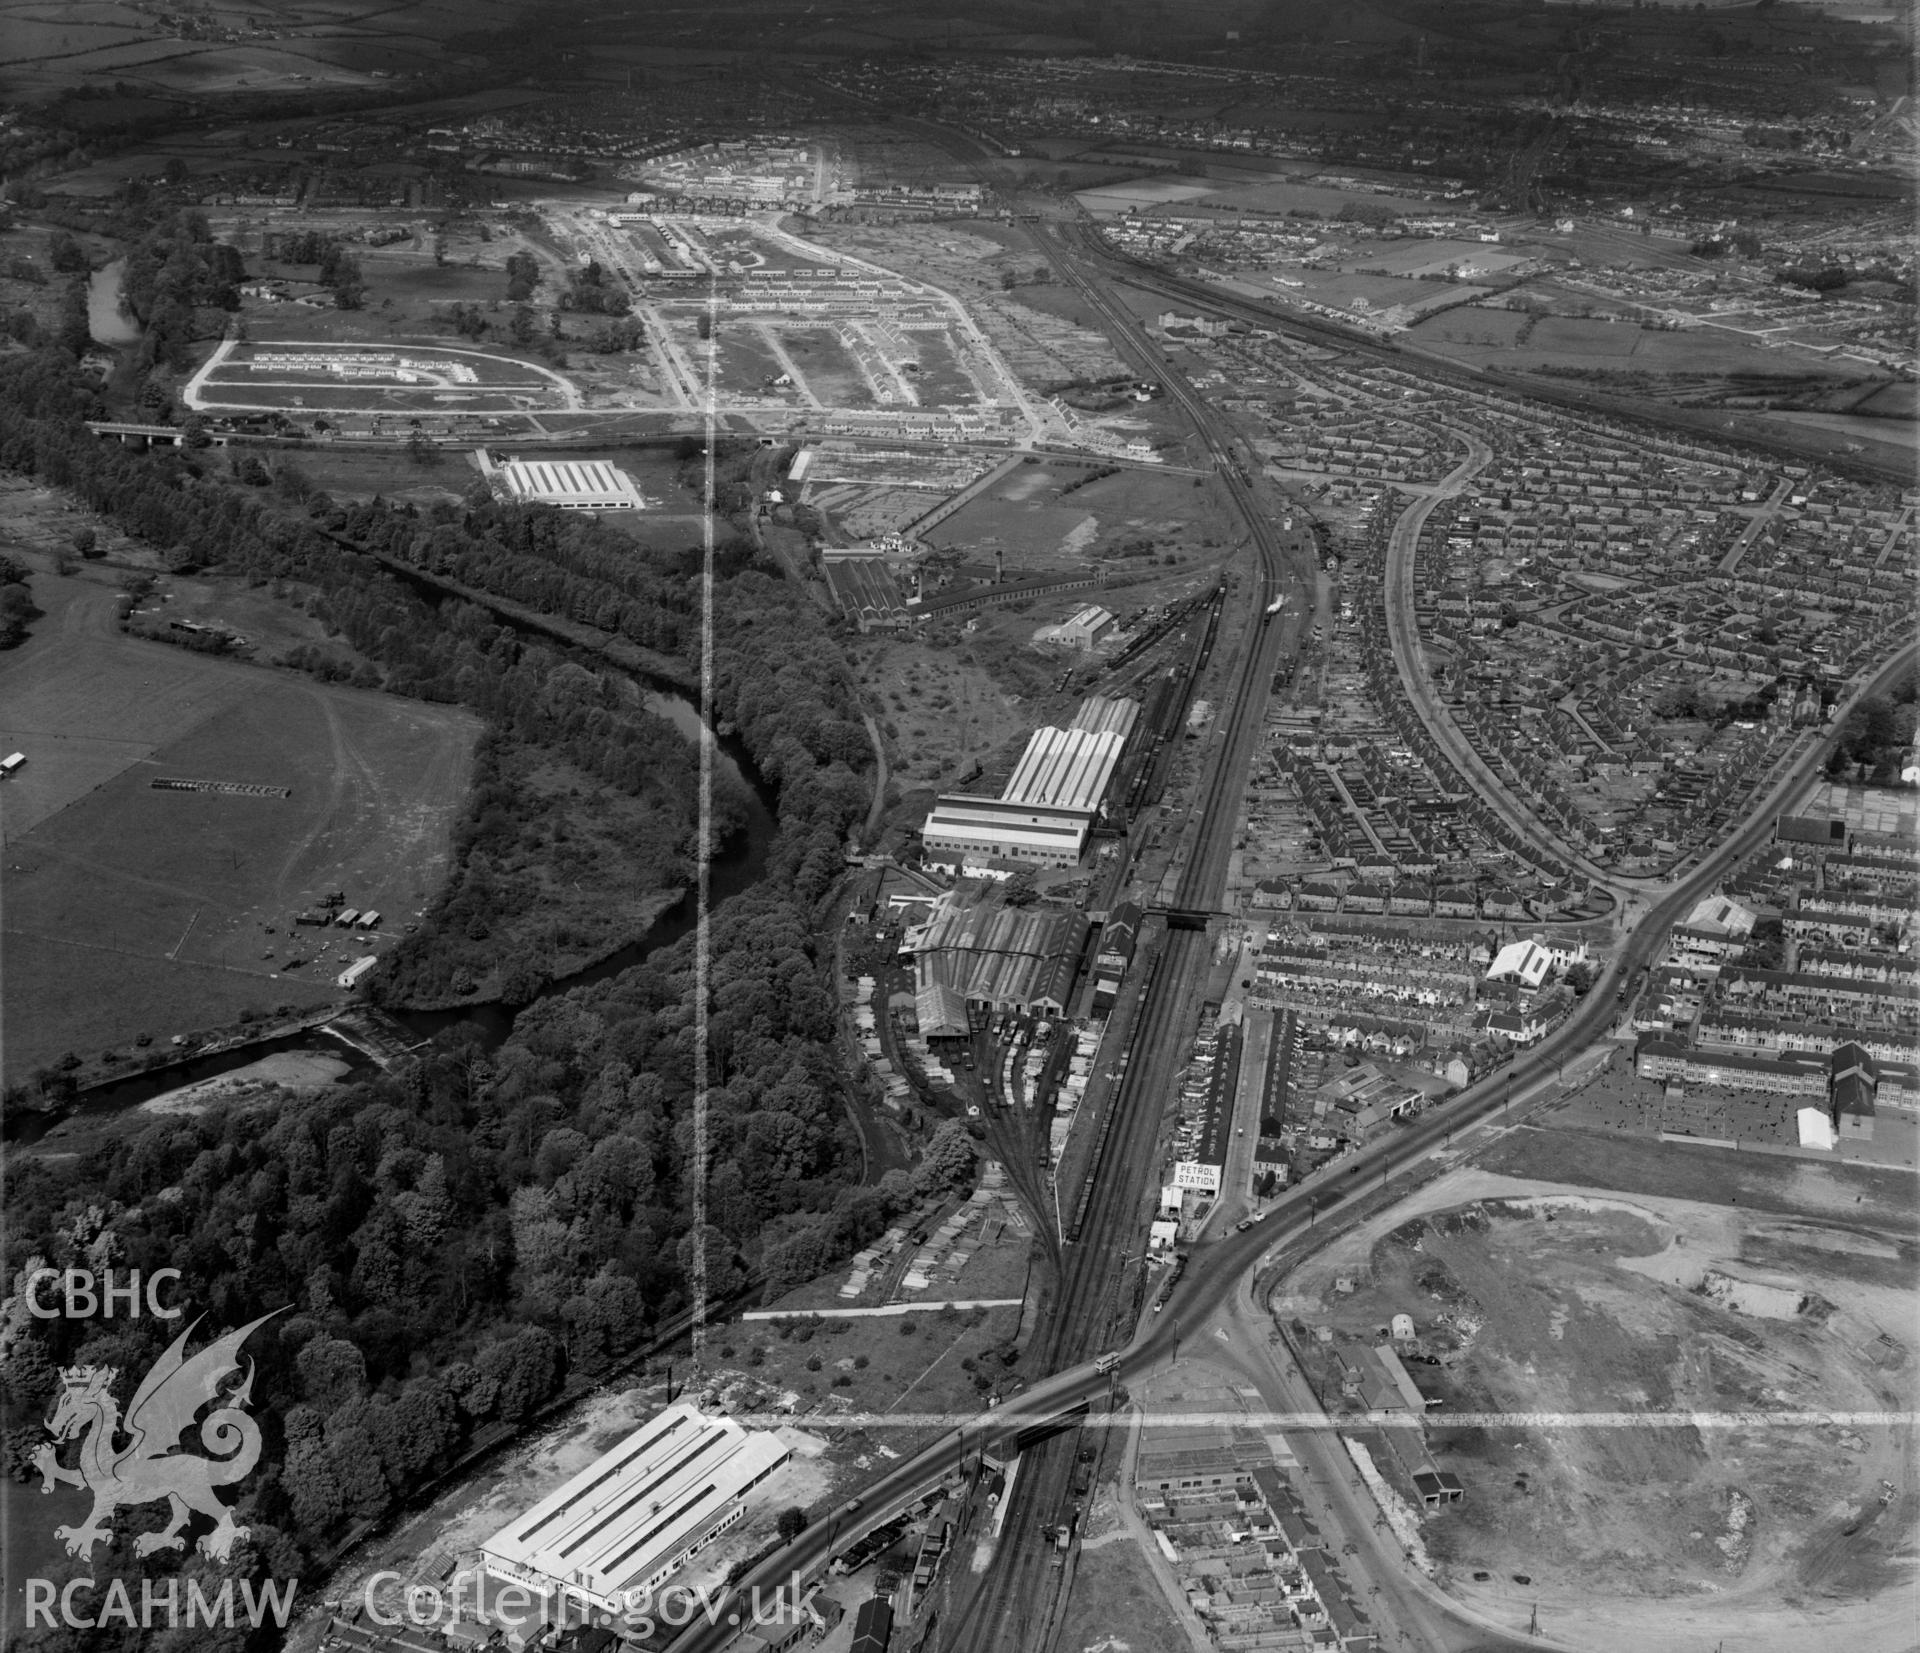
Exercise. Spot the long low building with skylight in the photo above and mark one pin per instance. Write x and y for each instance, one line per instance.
(631, 1519)
(570, 484)
(1047, 809)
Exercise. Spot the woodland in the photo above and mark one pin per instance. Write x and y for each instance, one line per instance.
(456, 1245)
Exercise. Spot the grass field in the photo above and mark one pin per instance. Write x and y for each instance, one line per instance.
(1043, 529)
(1757, 1182)
(1034, 536)
(1494, 338)
(299, 42)
(831, 374)
(132, 910)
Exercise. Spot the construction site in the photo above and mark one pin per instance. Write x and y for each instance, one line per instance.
(1561, 1391)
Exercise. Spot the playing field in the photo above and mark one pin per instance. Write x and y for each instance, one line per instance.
(131, 909)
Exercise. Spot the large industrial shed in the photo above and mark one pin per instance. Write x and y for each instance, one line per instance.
(1049, 804)
(631, 1519)
(571, 484)
(994, 830)
(997, 957)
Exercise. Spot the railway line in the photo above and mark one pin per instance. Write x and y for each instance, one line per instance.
(1099, 1285)
(1014, 1607)
(1683, 423)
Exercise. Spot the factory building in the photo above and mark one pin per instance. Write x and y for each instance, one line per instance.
(992, 830)
(993, 957)
(1064, 769)
(1107, 714)
(570, 484)
(1048, 807)
(631, 1519)
(1080, 630)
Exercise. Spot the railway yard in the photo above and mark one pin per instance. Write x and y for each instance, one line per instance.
(1376, 977)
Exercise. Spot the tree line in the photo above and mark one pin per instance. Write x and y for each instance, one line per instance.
(453, 1241)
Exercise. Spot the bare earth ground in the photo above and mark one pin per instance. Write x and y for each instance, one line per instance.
(1115, 1607)
(1772, 1535)
(262, 1080)
(132, 910)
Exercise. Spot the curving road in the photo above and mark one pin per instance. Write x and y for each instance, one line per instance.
(1219, 1266)
(1014, 1606)
(1403, 633)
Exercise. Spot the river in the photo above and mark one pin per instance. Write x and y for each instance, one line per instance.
(737, 867)
(105, 319)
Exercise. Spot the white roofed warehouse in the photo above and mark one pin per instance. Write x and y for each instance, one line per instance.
(1049, 804)
(995, 830)
(570, 484)
(631, 1519)
(1064, 769)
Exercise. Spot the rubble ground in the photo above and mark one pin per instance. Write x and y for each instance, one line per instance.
(1538, 1305)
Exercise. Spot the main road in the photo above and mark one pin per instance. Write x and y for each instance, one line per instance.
(1219, 1265)
(1014, 1606)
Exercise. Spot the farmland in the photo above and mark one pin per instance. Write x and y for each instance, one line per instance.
(134, 910)
(315, 43)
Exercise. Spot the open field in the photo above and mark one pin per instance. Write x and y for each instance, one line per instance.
(1033, 536)
(943, 382)
(1546, 1302)
(954, 699)
(941, 710)
(130, 909)
(1115, 1606)
(1522, 343)
(1755, 1182)
(308, 43)
(1053, 516)
(831, 374)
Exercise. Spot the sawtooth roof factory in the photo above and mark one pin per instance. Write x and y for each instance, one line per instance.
(633, 1518)
(993, 957)
(1048, 807)
(568, 484)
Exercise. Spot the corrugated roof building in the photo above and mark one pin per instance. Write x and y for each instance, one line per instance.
(633, 1517)
(999, 957)
(570, 484)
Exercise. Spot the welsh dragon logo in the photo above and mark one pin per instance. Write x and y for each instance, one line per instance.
(148, 1468)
